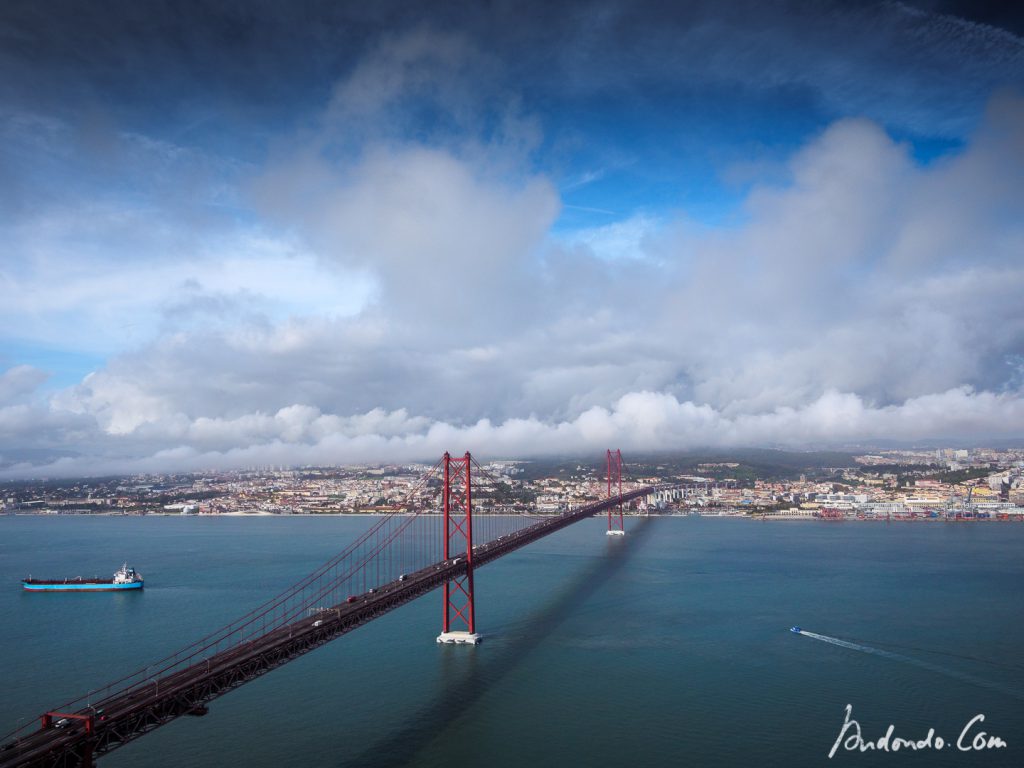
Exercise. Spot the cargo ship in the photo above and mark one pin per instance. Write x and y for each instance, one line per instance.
(125, 578)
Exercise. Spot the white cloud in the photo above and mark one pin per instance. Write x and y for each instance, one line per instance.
(867, 274)
(443, 237)
(636, 422)
(19, 382)
(628, 239)
(67, 293)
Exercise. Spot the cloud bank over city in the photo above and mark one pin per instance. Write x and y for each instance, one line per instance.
(599, 226)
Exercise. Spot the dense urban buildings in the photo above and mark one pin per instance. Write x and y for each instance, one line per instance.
(957, 484)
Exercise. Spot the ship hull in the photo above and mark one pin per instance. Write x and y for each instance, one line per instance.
(78, 586)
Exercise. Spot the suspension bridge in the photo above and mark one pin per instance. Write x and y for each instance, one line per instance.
(455, 519)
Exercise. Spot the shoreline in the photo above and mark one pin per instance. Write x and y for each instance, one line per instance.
(1013, 518)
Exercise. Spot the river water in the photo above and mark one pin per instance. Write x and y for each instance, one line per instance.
(667, 647)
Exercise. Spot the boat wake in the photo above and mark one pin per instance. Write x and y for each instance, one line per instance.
(921, 664)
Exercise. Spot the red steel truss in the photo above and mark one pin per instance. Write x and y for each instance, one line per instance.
(615, 479)
(392, 563)
(457, 493)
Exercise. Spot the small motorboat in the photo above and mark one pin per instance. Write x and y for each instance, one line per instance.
(797, 630)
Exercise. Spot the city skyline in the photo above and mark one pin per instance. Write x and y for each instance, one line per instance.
(249, 236)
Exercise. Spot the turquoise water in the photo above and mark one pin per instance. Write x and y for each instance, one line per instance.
(669, 647)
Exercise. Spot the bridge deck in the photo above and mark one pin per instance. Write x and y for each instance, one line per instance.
(132, 713)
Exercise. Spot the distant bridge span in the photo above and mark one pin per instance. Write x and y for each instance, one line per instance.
(74, 735)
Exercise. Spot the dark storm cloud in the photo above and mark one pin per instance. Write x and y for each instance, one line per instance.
(994, 13)
(196, 66)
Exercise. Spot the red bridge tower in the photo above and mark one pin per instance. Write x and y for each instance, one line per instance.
(615, 478)
(459, 624)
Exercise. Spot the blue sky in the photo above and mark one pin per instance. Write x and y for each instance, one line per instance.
(324, 232)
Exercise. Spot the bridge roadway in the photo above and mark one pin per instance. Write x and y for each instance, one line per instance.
(134, 712)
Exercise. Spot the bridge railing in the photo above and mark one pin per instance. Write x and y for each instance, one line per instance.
(406, 539)
(403, 541)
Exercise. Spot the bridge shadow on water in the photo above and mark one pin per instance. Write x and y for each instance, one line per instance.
(479, 676)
